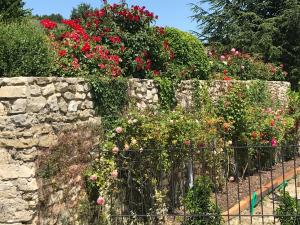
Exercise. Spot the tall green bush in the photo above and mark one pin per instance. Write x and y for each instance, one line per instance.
(24, 50)
(188, 53)
(200, 206)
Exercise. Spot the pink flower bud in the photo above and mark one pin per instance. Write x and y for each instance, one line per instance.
(114, 174)
(119, 130)
(187, 142)
(115, 150)
(100, 201)
(93, 177)
(274, 143)
(126, 147)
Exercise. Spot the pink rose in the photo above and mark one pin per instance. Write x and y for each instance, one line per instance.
(222, 57)
(274, 143)
(93, 177)
(233, 50)
(210, 53)
(237, 53)
(126, 147)
(114, 174)
(119, 130)
(187, 142)
(100, 201)
(115, 150)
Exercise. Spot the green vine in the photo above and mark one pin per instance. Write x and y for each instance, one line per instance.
(110, 98)
(166, 92)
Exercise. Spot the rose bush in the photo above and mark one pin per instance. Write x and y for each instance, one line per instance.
(243, 66)
(113, 41)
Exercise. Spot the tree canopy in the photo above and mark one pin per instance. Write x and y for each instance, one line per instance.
(267, 27)
(12, 9)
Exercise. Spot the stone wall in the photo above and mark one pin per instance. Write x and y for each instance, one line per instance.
(33, 111)
(146, 93)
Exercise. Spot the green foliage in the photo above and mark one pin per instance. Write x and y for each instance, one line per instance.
(288, 213)
(189, 53)
(269, 28)
(241, 66)
(80, 11)
(110, 97)
(166, 91)
(199, 204)
(12, 10)
(113, 41)
(56, 17)
(24, 50)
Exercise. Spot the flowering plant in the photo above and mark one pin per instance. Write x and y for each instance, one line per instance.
(243, 66)
(112, 41)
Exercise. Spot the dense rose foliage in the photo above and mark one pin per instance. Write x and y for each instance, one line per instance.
(113, 41)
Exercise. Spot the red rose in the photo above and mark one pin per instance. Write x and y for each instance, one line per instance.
(227, 78)
(86, 47)
(62, 53)
(48, 24)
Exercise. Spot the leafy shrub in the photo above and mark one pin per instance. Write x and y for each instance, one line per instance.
(243, 66)
(112, 41)
(24, 50)
(199, 204)
(288, 211)
(189, 53)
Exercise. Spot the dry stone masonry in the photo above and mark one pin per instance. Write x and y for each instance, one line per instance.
(34, 110)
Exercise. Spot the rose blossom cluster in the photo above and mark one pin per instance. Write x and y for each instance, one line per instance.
(98, 42)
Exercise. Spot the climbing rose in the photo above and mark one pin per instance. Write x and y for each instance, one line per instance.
(233, 50)
(48, 24)
(126, 147)
(62, 53)
(119, 130)
(93, 177)
(114, 174)
(187, 142)
(115, 150)
(222, 57)
(100, 201)
(272, 123)
(86, 47)
(274, 142)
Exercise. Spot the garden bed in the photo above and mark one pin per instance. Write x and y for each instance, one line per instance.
(229, 196)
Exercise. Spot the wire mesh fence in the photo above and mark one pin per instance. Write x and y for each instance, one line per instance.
(245, 185)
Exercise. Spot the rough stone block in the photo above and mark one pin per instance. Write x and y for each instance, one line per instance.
(19, 106)
(52, 102)
(73, 106)
(36, 104)
(13, 92)
(35, 90)
(48, 90)
(13, 171)
(63, 106)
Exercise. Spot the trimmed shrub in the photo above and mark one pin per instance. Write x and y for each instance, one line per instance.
(189, 53)
(287, 213)
(199, 204)
(24, 50)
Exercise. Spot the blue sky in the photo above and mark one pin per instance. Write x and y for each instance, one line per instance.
(173, 13)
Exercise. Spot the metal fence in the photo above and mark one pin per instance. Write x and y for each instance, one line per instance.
(246, 184)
